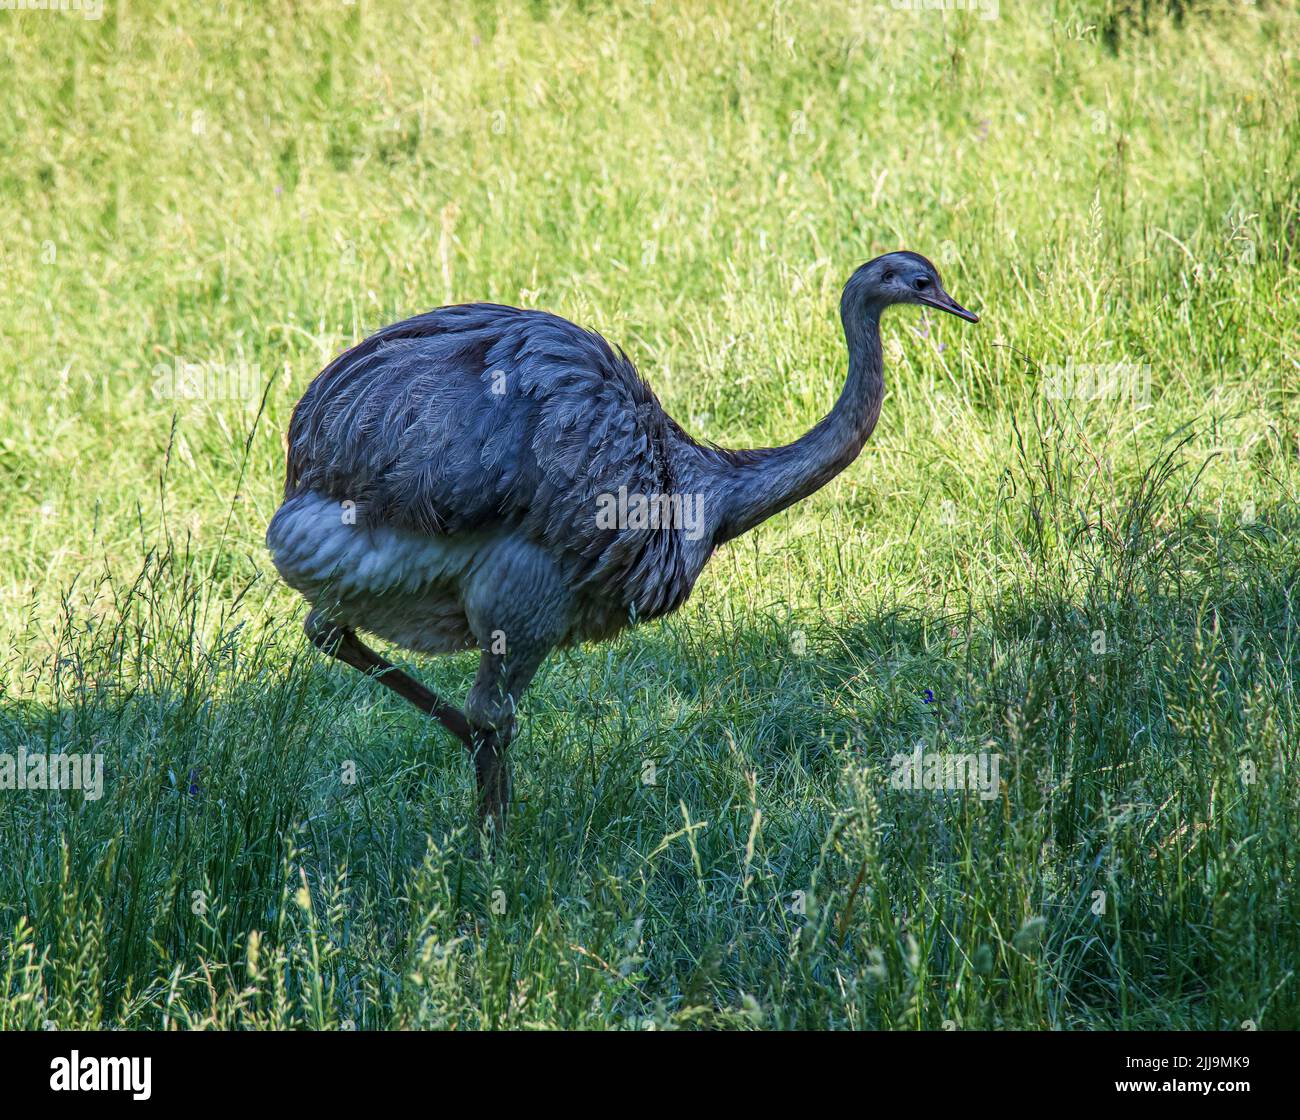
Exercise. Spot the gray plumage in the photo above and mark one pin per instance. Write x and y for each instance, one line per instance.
(451, 483)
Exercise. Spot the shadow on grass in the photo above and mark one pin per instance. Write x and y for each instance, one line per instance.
(705, 832)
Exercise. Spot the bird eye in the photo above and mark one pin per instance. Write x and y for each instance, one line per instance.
(889, 277)
(921, 283)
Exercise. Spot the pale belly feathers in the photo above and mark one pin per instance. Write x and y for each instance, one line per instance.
(427, 593)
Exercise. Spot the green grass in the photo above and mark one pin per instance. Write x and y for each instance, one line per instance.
(250, 189)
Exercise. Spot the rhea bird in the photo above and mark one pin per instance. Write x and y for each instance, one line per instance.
(487, 477)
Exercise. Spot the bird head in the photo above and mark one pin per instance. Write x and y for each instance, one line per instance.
(900, 277)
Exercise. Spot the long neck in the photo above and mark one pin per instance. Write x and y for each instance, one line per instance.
(754, 485)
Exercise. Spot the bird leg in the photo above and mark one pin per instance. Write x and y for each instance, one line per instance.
(490, 709)
(343, 643)
(492, 769)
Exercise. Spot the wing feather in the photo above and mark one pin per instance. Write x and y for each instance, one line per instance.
(481, 417)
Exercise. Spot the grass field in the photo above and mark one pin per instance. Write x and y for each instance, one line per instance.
(1071, 542)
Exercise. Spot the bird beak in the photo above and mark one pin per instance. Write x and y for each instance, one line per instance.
(944, 302)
